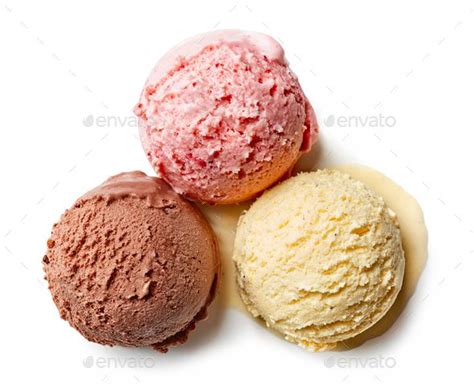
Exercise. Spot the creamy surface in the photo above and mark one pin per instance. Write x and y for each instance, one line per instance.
(227, 120)
(414, 238)
(414, 241)
(192, 46)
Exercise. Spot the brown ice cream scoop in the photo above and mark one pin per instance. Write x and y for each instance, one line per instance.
(132, 263)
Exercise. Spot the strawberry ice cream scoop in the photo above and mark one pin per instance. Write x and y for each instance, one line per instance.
(222, 117)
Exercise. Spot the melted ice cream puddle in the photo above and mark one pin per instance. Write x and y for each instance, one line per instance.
(414, 237)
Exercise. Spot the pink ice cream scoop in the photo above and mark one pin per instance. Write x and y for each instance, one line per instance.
(222, 117)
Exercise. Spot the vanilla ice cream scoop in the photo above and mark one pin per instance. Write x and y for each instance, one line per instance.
(319, 258)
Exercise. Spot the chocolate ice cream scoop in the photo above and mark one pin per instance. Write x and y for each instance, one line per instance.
(132, 264)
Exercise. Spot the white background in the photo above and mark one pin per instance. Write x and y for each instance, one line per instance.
(63, 62)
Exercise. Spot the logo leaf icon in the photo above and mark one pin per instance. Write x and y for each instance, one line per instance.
(88, 121)
(330, 120)
(88, 362)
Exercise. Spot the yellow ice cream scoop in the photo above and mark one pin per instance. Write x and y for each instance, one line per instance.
(319, 258)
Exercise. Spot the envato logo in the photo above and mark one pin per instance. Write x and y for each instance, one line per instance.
(118, 362)
(110, 121)
(379, 121)
(375, 362)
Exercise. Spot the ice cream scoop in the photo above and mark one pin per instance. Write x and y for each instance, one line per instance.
(319, 257)
(132, 263)
(222, 117)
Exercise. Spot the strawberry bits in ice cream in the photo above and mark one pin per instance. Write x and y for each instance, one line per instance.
(222, 117)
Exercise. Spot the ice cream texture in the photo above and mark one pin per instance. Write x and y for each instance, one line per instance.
(319, 257)
(132, 263)
(222, 117)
